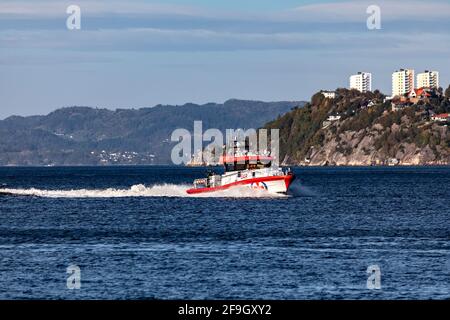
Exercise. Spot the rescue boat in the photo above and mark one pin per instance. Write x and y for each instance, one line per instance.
(251, 170)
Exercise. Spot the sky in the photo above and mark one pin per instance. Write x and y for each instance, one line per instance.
(138, 53)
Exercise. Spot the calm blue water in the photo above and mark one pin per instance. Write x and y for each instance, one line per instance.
(315, 244)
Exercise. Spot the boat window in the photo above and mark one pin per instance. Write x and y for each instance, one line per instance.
(229, 167)
(233, 166)
(261, 165)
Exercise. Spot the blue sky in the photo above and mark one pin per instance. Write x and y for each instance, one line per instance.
(142, 53)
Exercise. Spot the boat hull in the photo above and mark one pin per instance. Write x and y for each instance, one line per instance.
(273, 184)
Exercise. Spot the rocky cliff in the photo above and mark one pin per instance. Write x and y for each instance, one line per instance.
(361, 129)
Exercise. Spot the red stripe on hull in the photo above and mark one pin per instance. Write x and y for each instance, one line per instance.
(287, 180)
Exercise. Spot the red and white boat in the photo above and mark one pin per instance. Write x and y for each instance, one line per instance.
(254, 171)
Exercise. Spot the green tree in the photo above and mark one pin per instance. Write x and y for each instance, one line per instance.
(447, 92)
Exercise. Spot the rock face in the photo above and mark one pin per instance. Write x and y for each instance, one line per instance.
(363, 135)
(358, 149)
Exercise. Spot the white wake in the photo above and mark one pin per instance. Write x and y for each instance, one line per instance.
(163, 190)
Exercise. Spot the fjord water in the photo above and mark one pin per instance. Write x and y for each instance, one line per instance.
(136, 235)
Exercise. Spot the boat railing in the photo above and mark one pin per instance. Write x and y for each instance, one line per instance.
(258, 173)
(200, 183)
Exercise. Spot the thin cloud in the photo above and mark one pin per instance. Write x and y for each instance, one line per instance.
(345, 11)
(151, 39)
(352, 11)
(49, 8)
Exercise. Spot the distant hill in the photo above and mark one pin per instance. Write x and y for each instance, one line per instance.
(363, 129)
(91, 136)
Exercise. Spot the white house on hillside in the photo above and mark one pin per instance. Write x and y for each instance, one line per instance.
(329, 94)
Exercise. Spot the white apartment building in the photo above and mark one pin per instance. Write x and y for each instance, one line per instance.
(402, 82)
(361, 81)
(428, 79)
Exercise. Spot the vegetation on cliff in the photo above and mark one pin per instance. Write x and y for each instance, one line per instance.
(91, 136)
(363, 129)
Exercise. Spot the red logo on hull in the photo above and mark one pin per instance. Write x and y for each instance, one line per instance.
(259, 186)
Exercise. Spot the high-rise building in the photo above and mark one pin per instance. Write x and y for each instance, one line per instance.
(402, 82)
(428, 79)
(361, 81)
